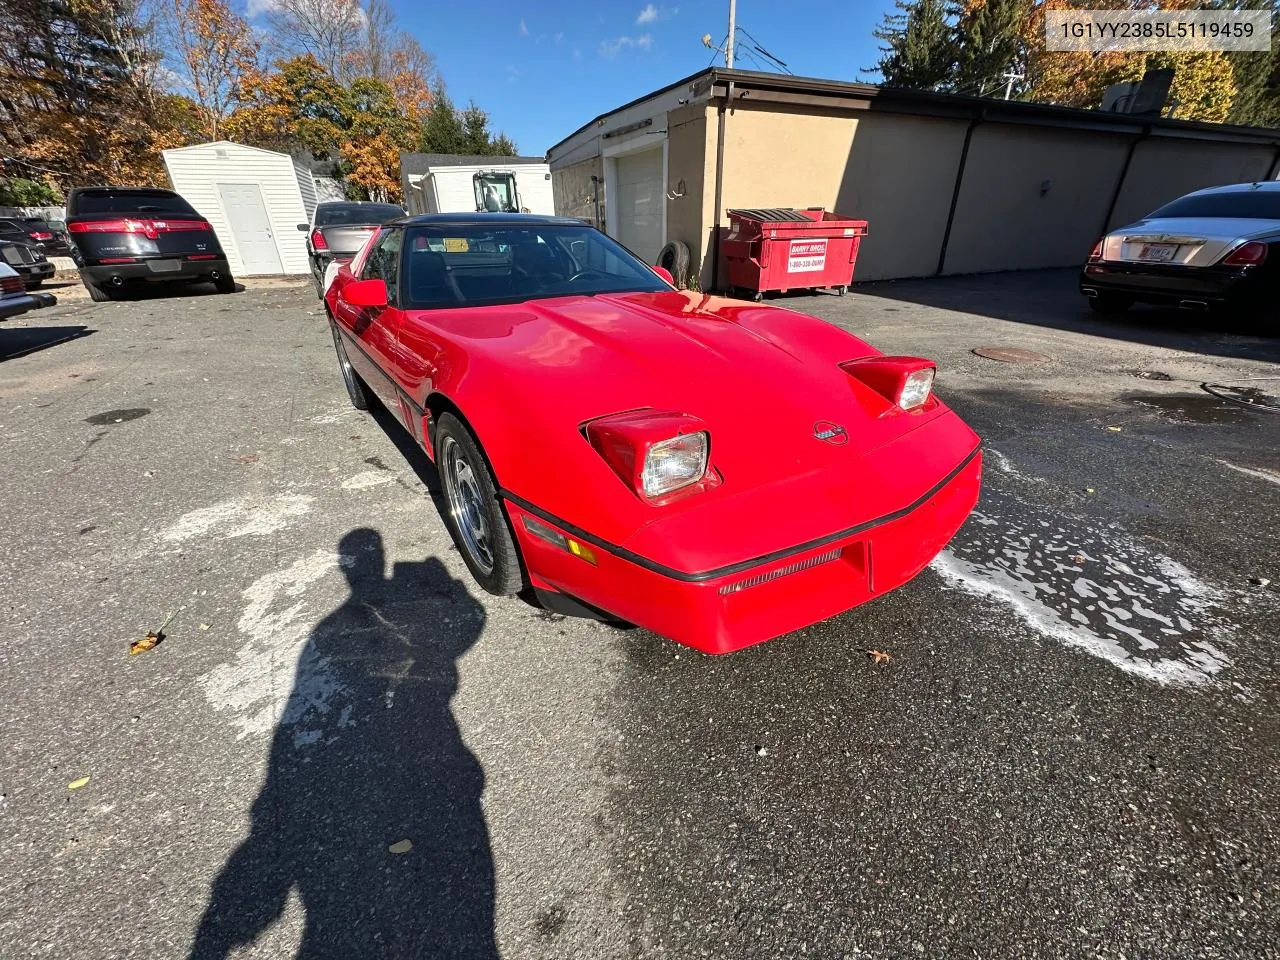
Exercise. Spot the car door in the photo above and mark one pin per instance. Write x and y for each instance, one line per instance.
(375, 329)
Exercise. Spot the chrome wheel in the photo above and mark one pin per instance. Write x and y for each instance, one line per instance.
(466, 503)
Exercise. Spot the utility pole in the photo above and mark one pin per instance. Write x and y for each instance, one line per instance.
(728, 47)
(1008, 87)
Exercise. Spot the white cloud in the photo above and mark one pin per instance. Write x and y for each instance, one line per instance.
(609, 49)
(652, 14)
(256, 7)
(524, 30)
(559, 39)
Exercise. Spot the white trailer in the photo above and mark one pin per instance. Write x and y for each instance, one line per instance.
(493, 185)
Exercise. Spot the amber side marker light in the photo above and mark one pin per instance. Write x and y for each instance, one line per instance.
(558, 539)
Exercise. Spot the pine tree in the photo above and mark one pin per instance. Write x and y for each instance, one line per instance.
(919, 52)
(475, 131)
(988, 42)
(442, 130)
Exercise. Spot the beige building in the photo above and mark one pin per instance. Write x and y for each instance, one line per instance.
(949, 184)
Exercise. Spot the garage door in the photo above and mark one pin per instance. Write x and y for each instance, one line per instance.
(638, 203)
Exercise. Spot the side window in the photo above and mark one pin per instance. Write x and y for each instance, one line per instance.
(383, 263)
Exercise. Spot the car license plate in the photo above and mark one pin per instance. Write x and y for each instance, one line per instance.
(1159, 252)
(164, 266)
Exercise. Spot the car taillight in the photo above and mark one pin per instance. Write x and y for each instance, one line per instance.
(10, 284)
(151, 229)
(906, 382)
(1248, 254)
(41, 235)
(318, 241)
(1096, 253)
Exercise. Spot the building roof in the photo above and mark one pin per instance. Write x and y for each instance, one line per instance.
(750, 86)
(413, 163)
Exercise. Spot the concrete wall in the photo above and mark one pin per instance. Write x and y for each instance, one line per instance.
(573, 192)
(1032, 197)
(1165, 169)
(691, 152)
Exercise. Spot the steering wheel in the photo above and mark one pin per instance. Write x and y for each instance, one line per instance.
(585, 273)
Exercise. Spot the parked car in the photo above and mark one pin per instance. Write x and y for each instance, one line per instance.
(338, 229)
(28, 260)
(14, 299)
(1218, 247)
(21, 231)
(716, 471)
(51, 233)
(125, 235)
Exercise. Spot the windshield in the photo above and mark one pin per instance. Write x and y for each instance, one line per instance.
(335, 214)
(130, 201)
(1233, 205)
(450, 265)
(495, 192)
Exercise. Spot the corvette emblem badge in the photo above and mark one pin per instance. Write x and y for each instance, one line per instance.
(830, 432)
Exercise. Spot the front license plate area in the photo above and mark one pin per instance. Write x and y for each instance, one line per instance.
(1157, 252)
(164, 266)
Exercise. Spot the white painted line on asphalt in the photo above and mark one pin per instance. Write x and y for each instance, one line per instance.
(1099, 590)
(241, 517)
(277, 676)
(1260, 473)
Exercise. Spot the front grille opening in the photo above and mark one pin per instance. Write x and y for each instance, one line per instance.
(806, 564)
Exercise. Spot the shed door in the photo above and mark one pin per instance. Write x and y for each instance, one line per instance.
(251, 228)
(639, 203)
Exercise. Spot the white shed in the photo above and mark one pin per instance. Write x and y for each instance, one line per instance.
(254, 199)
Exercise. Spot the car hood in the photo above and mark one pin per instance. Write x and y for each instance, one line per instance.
(762, 378)
(1201, 240)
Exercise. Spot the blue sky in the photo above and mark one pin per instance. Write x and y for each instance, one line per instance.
(542, 69)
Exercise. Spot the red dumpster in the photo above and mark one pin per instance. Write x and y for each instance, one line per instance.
(784, 249)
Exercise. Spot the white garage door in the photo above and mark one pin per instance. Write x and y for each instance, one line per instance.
(638, 203)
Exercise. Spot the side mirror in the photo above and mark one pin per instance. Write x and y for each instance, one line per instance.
(304, 227)
(665, 274)
(365, 293)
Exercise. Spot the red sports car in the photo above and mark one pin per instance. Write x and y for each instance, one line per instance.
(716, 471)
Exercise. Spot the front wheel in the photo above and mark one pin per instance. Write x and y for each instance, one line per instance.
(356, 389)
(475, 518)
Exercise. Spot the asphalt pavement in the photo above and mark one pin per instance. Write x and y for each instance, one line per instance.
(342, 748)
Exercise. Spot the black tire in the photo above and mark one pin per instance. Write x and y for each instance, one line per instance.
(674, 257)
(319, 285)
(225, 283)
(96, 293)
(841, 290)
(356, 389)
(1110, 303)
(472, 512)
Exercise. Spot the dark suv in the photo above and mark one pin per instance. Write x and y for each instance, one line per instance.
(125, 235)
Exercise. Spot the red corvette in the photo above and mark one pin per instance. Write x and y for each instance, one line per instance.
(716, 471)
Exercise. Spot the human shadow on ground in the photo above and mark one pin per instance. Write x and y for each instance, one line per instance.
(366, 755)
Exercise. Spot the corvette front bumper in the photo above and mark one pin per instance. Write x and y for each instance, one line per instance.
(725, 610)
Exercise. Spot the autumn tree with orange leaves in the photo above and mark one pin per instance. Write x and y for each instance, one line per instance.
(217, 51)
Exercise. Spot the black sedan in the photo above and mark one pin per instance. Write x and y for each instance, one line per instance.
(1218, 247)
(28, 260)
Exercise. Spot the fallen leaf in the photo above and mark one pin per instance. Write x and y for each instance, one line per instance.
(204, 626)
(1088, 489)
(248, 458)
(146, 643)
(354, 436)
(878, 656)
(1078, 557)
(401, 846)
(1115, 429)
(77, 784)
